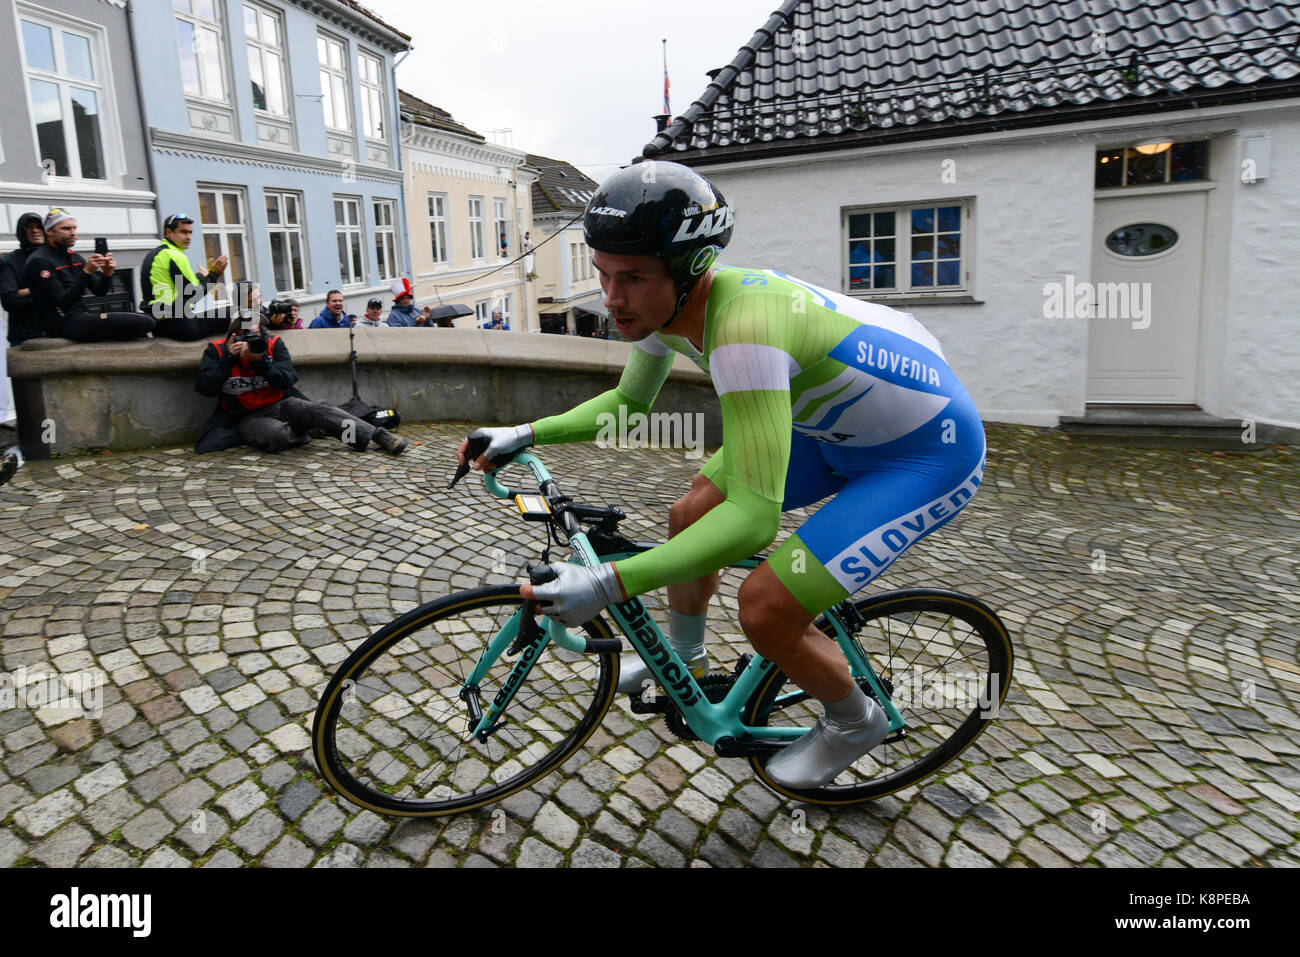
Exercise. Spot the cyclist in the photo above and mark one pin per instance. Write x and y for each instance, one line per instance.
(822, 395)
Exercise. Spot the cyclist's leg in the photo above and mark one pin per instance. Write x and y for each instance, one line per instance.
(808, 479)
(897, 495)
(707, 492)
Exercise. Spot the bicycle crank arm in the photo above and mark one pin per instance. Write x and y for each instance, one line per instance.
(746, 747)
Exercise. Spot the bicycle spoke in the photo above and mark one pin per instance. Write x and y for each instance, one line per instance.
(936, 662)
(407, 735)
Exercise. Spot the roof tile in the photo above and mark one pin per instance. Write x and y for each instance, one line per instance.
(561, 187)
(826, 69)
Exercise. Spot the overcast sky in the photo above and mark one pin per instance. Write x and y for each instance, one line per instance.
(578, 80)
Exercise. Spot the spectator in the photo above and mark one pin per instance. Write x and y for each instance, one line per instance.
(527, 244)
(331, 317)
(252, 376)
(279, 315)
(14, 294)
(10, 461)
(295, 321)
(497, 321)
(169, 285)
(58, 279)
(404, 312)
(374, 315)
(505, 246)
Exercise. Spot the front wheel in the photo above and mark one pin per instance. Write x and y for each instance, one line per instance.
(945, 661)
(392, 728)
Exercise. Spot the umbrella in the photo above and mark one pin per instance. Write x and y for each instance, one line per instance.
(449, 312)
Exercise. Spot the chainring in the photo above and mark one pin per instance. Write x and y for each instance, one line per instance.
(715, 688)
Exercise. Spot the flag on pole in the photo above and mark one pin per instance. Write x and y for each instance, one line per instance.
(667, 107)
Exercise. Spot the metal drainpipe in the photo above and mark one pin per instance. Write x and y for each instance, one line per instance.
(408, 188)
(144, 122)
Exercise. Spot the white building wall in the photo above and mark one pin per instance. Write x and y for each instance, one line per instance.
(1032, 223)
(1033, 214)
(1261, 368)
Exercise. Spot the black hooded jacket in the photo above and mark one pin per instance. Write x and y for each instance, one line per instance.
(23, 323)
(58, 281)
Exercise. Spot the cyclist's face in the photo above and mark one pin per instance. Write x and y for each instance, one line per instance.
(639, 293)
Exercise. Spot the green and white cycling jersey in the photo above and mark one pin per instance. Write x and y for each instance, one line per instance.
(788, 359)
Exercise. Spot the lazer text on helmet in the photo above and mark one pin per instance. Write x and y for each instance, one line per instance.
(706, 224)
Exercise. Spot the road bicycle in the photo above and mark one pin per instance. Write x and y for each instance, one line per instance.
(474, 696)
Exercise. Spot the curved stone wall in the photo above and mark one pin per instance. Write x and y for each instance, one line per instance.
(136, 395)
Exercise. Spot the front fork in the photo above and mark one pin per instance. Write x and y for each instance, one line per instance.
(520, 635)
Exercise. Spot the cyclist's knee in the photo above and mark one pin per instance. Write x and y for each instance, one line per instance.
(692, 506)
(769, 615)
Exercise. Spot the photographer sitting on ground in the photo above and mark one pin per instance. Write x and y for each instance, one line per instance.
(253, 377)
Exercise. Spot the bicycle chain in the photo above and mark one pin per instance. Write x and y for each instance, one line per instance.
(715, 688)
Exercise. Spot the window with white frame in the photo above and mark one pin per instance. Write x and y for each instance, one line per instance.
(482, 313)
(907, 249)
(224, 224)
(334, 83)
(199, 33)
(438, 227)
(64, 69)
(575, 268)
(386, 240)
(506, 305)
(284, 232)
(347, 231)
(476, 249)
(372, 96)
(500, 227)
(264, 38)
(1154, 162)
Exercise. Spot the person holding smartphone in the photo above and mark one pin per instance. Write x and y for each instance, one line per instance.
(59, 279)
(170, 285)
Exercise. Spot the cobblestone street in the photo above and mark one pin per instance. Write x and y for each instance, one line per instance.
(1153, 599)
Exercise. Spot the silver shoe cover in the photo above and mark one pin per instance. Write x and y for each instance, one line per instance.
(819, 756)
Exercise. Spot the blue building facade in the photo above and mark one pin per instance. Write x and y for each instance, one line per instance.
(274, 125)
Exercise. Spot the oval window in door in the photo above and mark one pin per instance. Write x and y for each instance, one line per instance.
(1141, 239)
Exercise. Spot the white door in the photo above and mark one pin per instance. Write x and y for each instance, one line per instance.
(1144, 335)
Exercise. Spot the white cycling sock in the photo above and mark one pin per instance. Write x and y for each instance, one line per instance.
(850, 711)
(686, 632)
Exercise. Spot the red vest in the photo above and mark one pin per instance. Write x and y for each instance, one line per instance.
(246, 388)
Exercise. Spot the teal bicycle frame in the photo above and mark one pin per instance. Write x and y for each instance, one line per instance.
(710, 721)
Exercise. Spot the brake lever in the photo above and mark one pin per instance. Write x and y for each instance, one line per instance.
(476, 447)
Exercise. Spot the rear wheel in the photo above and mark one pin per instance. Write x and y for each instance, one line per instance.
(945, 660)
(391, 731)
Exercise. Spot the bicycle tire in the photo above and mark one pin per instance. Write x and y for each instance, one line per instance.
(934, 737)
(407, 677)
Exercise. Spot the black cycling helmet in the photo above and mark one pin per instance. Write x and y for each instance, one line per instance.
(665, 210)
